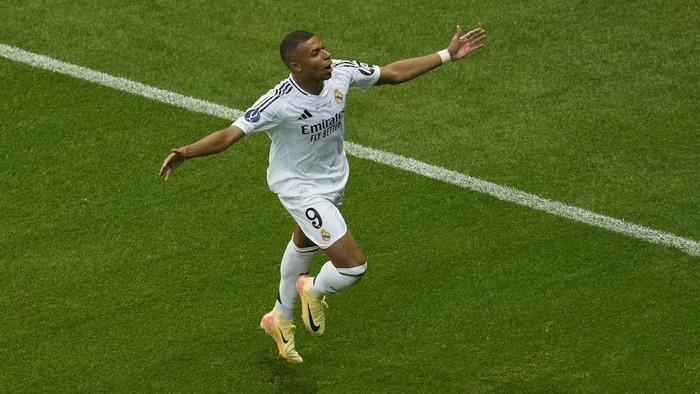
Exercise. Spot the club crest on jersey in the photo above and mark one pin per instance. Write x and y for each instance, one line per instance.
(325, 235)
(253, 115)
(338, 95)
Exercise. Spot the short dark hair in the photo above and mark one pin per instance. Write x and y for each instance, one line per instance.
(291, 41)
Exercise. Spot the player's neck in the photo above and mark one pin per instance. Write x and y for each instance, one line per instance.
(312, 86)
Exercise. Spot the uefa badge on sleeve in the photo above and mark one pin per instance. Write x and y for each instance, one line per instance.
(253, 115)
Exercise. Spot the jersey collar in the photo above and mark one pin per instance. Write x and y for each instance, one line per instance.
(301, 90)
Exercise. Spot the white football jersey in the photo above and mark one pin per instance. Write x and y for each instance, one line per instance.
(307, 155)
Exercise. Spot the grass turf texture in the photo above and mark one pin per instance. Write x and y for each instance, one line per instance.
(115, 281)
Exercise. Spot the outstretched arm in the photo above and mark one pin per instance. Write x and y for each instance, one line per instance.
(407, 69)
(213, 143)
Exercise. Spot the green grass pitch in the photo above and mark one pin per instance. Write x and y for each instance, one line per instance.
(114, 281)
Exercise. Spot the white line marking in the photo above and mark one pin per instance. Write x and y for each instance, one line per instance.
(123, 84)
(504, 193)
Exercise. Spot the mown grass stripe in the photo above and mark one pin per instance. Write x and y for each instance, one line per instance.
(504, 193)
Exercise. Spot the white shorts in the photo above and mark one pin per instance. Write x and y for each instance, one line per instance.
(318, 216)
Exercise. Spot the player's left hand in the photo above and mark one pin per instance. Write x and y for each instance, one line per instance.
(462, 45)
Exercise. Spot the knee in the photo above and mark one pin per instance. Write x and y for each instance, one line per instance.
(358, 260)
(345, 253)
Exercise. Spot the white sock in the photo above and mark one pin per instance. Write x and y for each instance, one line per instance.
(295, 261)
(331, 279)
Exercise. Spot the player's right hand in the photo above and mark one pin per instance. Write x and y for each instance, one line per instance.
(174, 159)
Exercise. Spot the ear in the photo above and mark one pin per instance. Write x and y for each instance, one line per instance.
(295, 67)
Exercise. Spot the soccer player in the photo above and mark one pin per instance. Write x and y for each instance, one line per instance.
(304, 116)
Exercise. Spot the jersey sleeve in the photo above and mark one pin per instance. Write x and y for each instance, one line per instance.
(265, 113)
(362, 75)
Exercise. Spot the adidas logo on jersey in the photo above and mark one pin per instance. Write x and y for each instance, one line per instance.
(305, 115)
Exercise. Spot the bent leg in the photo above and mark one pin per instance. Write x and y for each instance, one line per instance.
(345, 253)
(346, 267)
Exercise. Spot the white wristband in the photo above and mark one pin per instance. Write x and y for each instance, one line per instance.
(445, 56)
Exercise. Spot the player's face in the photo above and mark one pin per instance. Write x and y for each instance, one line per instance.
(313, 59)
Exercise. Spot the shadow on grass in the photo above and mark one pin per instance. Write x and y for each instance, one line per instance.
(289, 378)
